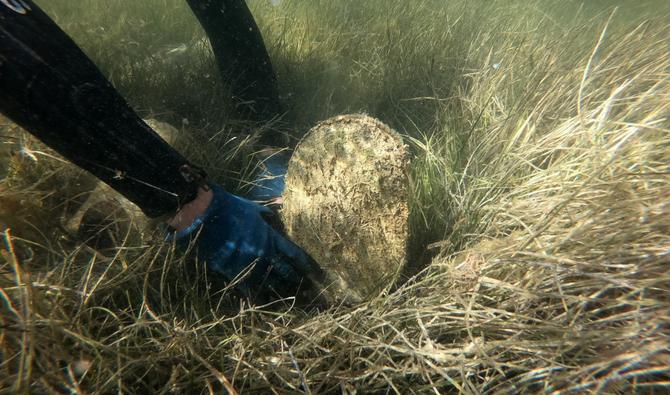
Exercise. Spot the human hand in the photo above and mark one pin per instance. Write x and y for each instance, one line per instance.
(233, 237)
(268, 183)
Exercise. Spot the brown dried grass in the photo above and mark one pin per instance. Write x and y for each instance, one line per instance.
(544, 187)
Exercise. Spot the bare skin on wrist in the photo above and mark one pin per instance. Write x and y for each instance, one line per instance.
(191, 210)
(195, 208)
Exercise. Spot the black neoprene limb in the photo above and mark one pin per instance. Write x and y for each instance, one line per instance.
(241, 56)
(51, 88)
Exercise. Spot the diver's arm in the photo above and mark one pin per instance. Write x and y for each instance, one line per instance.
(53, 90)
(48, 86)
(241, 55)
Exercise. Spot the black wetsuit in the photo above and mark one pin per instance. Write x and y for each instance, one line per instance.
(51, 88)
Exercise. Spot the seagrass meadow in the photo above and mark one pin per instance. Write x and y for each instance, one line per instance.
(539, 206)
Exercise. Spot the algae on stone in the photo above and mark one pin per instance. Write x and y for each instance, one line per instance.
(346, 204)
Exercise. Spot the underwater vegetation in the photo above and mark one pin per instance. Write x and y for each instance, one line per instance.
(539, 199)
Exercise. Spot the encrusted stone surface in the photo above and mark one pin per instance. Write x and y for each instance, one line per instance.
(346, 204)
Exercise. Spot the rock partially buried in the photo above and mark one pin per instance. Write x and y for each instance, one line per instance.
(346, 204)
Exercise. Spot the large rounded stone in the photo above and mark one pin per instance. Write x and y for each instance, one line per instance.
(346, 204)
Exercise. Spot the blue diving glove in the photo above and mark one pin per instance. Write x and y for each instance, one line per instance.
(269, 181)
(233, 234)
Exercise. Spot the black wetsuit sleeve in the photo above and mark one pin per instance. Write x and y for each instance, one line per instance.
(241, 55)
(51, 88)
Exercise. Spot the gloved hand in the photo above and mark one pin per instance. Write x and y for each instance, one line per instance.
(233, 234)
(268, 183)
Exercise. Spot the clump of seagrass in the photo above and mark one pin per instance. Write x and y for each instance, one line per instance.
(346, 203)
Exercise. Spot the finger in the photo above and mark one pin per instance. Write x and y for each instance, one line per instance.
(272, 219)
(288, 282)
(299, 259)
(285, 272)
(281, 279)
